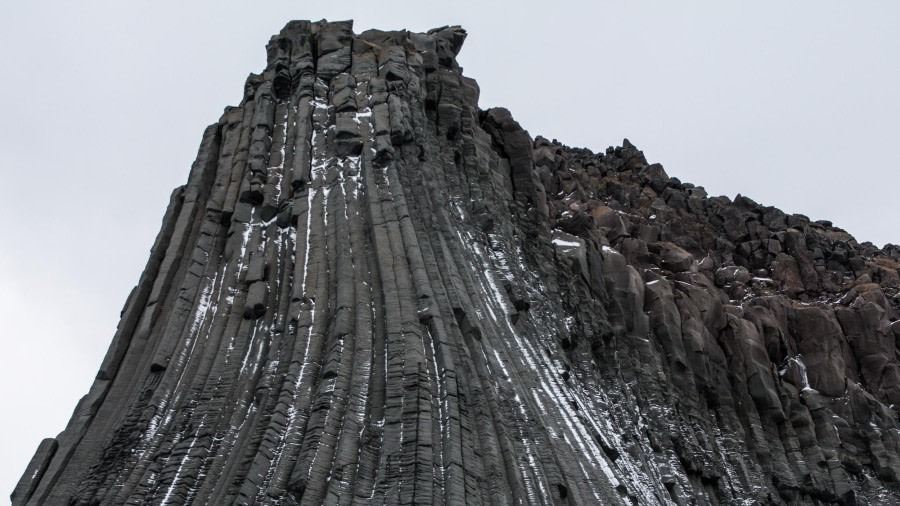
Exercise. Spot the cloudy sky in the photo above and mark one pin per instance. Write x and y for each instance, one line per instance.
(791, 103)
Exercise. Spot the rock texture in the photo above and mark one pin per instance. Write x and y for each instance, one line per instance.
(370, 291)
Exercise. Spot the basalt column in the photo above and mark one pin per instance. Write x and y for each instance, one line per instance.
(370, 291)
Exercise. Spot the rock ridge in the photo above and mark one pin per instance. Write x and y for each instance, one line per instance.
(371, 291)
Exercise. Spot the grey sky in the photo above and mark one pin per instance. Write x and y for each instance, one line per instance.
(791, 103)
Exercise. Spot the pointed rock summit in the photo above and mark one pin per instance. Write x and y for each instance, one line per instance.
(370, 291)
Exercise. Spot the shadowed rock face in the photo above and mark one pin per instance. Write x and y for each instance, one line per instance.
(371, 291)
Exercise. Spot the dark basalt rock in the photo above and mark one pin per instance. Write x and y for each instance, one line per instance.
(371, 291)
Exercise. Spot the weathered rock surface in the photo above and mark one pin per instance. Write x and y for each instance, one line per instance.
(371, 291)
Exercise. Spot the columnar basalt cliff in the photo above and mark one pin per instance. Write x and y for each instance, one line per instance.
(370, 291)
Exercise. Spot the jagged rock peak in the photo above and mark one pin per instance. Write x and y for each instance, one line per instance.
(372, 291)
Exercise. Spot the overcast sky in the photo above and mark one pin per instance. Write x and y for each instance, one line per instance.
(791, 103)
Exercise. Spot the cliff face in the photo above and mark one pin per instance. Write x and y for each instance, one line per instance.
(371, 291)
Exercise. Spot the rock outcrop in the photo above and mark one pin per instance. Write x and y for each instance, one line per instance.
(370, 291)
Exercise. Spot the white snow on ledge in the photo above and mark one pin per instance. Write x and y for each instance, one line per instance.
(565, 240)
(804, 378)
(566, 244)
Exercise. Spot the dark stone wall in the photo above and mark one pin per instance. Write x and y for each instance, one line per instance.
(372, 291)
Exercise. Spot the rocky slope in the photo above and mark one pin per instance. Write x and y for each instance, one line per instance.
(372, 291)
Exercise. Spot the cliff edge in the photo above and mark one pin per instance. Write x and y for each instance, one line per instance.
(372, 291)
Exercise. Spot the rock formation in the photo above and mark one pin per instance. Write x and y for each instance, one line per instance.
(370, 291)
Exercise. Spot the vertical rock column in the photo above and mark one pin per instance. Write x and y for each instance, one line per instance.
(370, 291)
